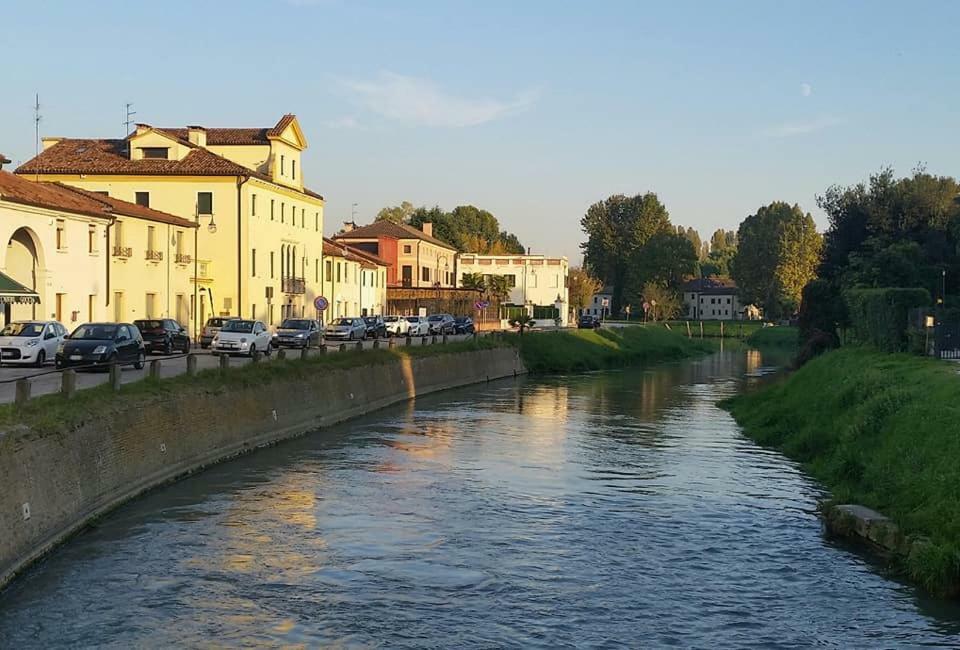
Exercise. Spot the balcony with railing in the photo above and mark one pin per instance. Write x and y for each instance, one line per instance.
(183, 258)
(122, 251)
(154, 256)
(294, 285)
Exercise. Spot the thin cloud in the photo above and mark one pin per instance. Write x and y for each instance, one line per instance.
(420, 101)
(806, 89)
(802, 128)
(345, 122)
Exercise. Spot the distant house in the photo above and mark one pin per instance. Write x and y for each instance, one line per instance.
(713, 298)
(600, 303)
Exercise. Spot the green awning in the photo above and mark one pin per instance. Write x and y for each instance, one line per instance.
(12, 292)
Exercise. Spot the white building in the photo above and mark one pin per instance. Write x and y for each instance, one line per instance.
(538, 284)
(600, 303)
(712, 298)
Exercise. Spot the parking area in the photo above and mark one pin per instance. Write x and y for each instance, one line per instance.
(47, 380)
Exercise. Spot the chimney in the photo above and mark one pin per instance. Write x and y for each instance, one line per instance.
(142, 128)
(348, 226)
(49, 142)
(528, 250)
(3, 161)
(427, 228)
(197, 136)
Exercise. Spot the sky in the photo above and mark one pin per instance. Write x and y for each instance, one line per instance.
(532, 110)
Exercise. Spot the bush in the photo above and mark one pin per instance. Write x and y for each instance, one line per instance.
(822, 311)
(879, 317)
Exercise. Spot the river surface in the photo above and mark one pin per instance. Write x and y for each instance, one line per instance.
(619, 509)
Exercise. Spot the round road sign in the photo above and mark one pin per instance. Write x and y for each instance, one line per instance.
(321, 303)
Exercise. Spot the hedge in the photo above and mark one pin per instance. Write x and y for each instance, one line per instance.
(880, 317)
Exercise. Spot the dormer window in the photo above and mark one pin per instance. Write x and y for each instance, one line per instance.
(158, 153)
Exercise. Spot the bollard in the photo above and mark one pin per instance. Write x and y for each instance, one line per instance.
(68, 383)
(115, 373)
(322, 349)
(255, 357)
(433, 339)
(191, 364)
(444, 338)
(423, 341)
(23, 392)
(391, 343)
(359, 345)
(409, 340)
(224, 362)
(343, 347)
(304, 354)
(281, 354)
(155, 369)
(376, 344)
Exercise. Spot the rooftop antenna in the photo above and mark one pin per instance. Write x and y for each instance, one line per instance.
(128, 121)
(36, 132)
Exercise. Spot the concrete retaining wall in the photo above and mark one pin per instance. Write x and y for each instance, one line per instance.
(51, 485)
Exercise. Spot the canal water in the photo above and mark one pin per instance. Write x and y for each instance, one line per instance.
(617, 509)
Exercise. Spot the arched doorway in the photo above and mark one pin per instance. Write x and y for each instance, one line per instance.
(24, 265)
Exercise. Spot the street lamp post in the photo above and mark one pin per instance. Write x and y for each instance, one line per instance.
(212, 229)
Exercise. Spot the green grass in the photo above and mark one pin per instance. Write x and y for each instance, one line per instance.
(53, 413)
(579, 350)
(881, 430)
(777, 337)
(711, 328)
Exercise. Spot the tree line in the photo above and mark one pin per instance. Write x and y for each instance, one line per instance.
(633, 249)
(467, 228)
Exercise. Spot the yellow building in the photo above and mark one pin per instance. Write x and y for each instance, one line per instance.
(84, 256)
(417, 259)
(354, 281)
(260, 239)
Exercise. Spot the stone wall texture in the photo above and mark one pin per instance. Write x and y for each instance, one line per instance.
(55, 484)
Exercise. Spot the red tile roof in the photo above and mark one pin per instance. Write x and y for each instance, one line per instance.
(56, 196)
(389, 229)
(713, 284)
(232, 136)
(335, 249)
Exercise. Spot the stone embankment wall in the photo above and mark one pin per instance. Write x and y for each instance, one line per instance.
(51, 485)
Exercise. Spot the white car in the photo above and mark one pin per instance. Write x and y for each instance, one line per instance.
(242, 336)
(34, 341)
(418, 326)
(396, 325)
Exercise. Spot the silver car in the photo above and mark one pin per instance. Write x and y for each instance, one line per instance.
(346, 329)
(30, 342)
(417, 326)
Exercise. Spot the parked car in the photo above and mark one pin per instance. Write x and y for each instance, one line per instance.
(242, 336)
(102, 344)
(348, 329)
(163, 335)
(376, 328)
(297, 333)
(213, 325)
(441, 324)
(417, 326)
(30, 341)
(396, 325)
(463, 325)
(588, 322)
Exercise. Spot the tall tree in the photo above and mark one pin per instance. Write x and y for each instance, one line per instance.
(778, 253)
(582, 286)
(473, 281)
(616, 229)
(397, 213)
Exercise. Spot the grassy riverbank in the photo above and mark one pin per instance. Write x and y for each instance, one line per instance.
(579, 350)
(775, 337)
(880, 430)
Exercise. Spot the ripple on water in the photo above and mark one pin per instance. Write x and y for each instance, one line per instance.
(611, 510)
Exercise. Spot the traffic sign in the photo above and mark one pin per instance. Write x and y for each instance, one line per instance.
(481, 304)
(321, 303)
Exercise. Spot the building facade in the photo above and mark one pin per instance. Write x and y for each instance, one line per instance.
(537, 283)
(600, 303)
(354, 282)
(89, 257)
(712, 298)
(259, 248)
(416, 258)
